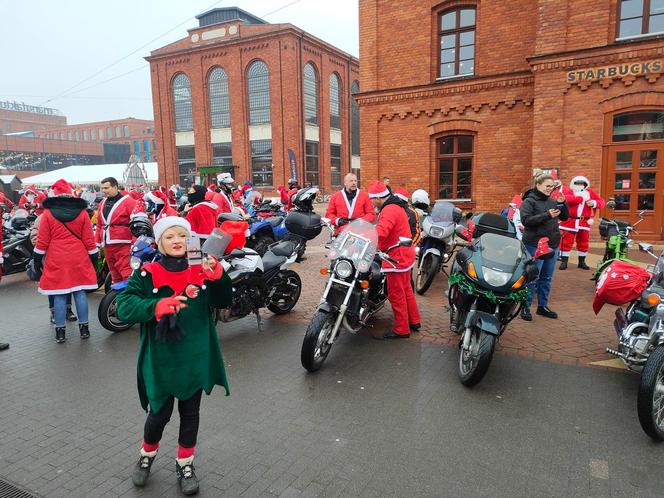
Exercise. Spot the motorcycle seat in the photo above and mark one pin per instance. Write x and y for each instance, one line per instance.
(271, 260)
(275, 221)
(283, 248)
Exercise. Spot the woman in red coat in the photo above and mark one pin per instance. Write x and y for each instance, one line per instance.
(201, 214)
(66, 238)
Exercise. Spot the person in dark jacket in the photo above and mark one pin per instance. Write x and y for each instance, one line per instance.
(539, 216)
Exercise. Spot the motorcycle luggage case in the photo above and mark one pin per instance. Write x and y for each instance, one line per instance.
(607, 230)
(493, 223)
(304, 224)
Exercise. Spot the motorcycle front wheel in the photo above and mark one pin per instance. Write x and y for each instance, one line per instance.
(474, 363)
(650, 400)
(315, 347)
(108, 313)
(287, 293)
(426, 273)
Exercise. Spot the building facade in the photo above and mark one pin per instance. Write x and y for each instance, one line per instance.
(466, 97)
(265, 102)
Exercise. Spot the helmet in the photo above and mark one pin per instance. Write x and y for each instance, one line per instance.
(291, 181)
(140, 225)
(420, 196)
(225, 178)
(304, 199)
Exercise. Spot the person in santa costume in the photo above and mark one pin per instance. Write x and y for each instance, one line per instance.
(157, 206)
(113, 234)
(201, 214)
(393, 223)
(32, 200)
(222, 193)
(6, 201)
(583, 203)
(67, 253)
(179, 355)
(349, 203)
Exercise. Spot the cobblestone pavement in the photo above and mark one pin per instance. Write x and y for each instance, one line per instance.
(380, 419)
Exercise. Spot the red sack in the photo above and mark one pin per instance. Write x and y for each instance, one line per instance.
(543, 251)
(619, 283)
(238, 231)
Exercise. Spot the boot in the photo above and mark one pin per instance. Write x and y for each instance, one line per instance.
(582, 263)
(563, 262)
(526, 315)
(142, 469)
(60, 335)
(70, 315)
(52, 315)
(184, 468)
(84, 330)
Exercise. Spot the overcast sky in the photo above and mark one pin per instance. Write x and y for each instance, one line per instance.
(50, 46)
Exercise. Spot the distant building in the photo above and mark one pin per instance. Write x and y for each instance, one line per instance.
(238, 93)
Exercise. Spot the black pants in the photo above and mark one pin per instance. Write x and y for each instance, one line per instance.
(189, 419)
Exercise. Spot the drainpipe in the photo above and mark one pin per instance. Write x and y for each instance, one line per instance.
(349, 149)
(301, 106)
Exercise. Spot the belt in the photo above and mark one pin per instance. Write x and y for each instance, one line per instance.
(579, 217)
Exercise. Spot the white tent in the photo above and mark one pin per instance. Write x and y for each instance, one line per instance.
(87, 175)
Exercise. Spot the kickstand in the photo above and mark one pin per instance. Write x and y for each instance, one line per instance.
(259, 322)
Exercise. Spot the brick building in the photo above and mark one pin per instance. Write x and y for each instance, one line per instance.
(465, 97)
(18, 116)
(238, 93)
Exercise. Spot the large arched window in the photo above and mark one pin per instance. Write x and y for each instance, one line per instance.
(220, 111)
(258, 90)
(310, 95)
(335, 102)
(182, 103)
(457, 42)
(454, 154)
(355, 120)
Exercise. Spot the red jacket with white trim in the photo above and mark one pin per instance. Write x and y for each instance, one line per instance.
(115, 229)
(393, 223)
(579, 211)
(361, 207)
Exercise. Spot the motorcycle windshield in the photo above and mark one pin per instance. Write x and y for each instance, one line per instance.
(500, 252)
(357, 242)
(442, 213)
(659, 266)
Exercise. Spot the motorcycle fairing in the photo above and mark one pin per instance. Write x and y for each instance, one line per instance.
(484, 321)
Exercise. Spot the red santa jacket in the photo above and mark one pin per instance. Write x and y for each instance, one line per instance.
(393, 223)
(221, 200)
(37, 202)
(115, 229)
(5, 200)
(203, 218)
(579, 211)
(361, 207)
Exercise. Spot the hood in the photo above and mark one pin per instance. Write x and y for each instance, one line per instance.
(579, 179)
(534, 193)
(393, 199)
(65, 208)
(198, 195)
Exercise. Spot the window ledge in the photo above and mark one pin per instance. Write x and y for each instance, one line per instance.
(624, 39)
(455, 77)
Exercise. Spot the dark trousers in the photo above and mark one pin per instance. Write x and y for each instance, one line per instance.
(189, 419)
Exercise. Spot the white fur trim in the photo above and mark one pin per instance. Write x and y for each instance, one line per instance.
(384, 193)
(55, 292)
(564, 253)
(185, 461)
(150, 454)
(397, 270)
(579, 179)
(150, 197)
(94, 251)
(581, 254)
(40, 251)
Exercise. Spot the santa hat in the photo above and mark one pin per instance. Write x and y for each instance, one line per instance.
(378, 189)
(136, 195)
(225, 178)
(401, 193)
(169, 222)
(61, 187)
(174, 188)
(516, 201)
(579, 179)
(156, 196)
(30, 189)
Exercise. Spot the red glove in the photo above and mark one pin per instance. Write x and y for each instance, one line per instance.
(214, 274)
(165, 307)
(543, 251)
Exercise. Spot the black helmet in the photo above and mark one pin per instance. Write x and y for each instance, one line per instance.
(304, 199)
(140, 225)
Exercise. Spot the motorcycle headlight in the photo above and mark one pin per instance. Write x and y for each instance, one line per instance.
(135, 262)
(343, 269)
(436, 232)
(495, 278)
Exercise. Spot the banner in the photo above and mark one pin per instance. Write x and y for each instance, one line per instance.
(293, 164)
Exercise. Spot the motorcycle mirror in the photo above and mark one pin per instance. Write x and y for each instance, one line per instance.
(643, 247)
(611, 204)
(325, 220)
(642, 215)
(462, 232)
(405, 241)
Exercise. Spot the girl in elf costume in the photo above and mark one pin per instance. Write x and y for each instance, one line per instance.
(179, 355)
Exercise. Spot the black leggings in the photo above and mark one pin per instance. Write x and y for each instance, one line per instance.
(189, 418)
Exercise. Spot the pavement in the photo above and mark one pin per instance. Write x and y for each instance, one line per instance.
(381, 418)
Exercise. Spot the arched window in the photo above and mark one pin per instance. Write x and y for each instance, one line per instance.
(220, 111)
(258, 90)
(355, 120)
(310, 95)
(335, 102)
(456, 30)
(184, 120)
(454, 154)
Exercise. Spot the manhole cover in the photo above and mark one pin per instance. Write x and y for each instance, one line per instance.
(9, 490)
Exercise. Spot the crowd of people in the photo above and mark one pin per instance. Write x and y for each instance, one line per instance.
(180, 358)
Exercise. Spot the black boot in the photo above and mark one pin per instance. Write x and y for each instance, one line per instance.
(526, 315)
(70, 315)
(84, 330)
(60, 335)
(184, 467)
(563, 262)
(142, 469)
(582, 263)
(547, 312)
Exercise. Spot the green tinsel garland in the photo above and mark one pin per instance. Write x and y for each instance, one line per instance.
(468, 287)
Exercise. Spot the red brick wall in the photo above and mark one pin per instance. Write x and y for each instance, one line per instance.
(15, 121)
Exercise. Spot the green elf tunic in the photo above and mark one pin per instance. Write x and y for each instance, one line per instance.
(182, 367)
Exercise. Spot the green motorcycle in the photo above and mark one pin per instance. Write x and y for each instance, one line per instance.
(617, 235)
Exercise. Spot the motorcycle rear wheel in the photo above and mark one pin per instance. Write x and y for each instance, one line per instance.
(474, 364)
(108, 313)
(282, 306)
(426, 273)
(314, 347)
(650, 400)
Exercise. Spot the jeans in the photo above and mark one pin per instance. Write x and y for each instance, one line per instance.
(543, 283)
(51, 300)
(60, 305)
(189, 419)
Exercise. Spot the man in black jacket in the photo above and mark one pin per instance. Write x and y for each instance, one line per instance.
(539, 216)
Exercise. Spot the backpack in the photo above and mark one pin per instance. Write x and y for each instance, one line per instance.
(414, 223)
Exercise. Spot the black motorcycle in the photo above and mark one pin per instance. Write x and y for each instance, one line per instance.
(355, 291)
(487, 290)
(17, 247)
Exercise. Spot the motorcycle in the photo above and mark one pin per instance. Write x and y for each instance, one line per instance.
(356, 289)
(640, 330)
(437, 244)
(487, 289)
(617, 235)
(17, 247)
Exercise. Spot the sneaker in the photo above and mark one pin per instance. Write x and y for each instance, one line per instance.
(60, 335)
(84, 330)
(545, 311)
(525, 314)
(142, 469)
(186, 475)
(70, 315)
